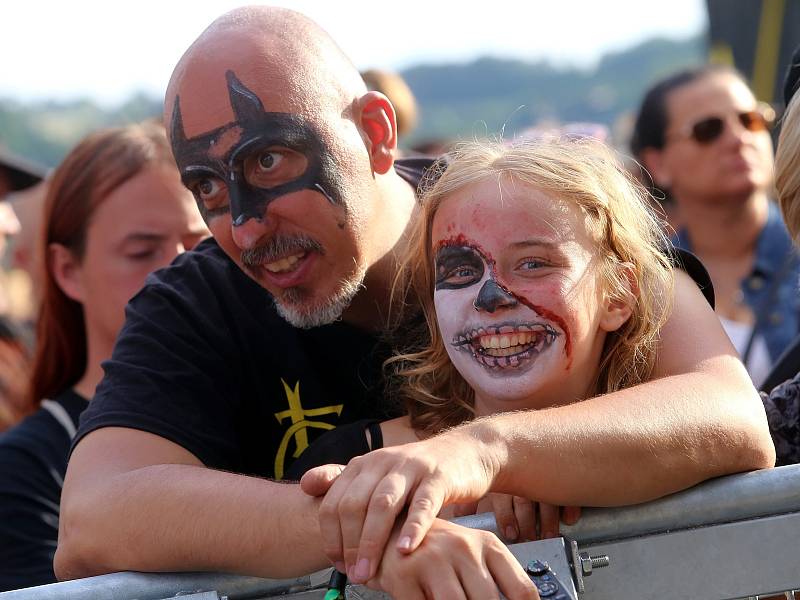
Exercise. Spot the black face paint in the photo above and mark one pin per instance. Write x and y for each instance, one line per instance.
(259, 131)
(492, 296)
(458, 267)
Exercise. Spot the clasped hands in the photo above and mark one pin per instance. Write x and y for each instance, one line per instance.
(420, 555)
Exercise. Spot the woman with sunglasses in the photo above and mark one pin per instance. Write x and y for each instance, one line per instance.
(704, 138)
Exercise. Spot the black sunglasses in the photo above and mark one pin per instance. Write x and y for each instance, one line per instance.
(710, 129)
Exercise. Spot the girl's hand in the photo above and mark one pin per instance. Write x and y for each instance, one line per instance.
(453, 562)
(519, 519)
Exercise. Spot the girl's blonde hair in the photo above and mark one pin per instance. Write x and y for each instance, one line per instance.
(787, 168)
(631, 244)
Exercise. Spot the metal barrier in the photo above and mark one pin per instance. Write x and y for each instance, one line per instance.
(730, 538)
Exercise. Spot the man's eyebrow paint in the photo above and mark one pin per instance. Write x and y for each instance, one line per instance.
(257, 129)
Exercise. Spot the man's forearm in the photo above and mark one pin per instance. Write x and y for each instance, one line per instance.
(633, 445)
(186, 517)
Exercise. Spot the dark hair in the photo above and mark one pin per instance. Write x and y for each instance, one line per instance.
(97, 166)
(651, 121)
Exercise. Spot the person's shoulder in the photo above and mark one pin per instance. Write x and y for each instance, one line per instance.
(687, 262)
(47, 433)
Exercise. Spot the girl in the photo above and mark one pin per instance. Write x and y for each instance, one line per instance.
(543, 281)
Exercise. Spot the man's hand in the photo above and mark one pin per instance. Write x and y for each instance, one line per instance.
(456, 563)
(362, 502)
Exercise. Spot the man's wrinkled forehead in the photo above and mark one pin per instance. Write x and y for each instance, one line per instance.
(205, 96)
(249, 121)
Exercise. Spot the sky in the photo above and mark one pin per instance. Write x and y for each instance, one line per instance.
(106, 50)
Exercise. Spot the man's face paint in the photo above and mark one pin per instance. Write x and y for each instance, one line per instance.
(272, 154)
(512, 298)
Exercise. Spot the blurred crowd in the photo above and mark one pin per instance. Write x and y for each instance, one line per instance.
(78, 242)
(710, 175)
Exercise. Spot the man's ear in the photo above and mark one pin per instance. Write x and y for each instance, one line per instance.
(66, 270)
(616, 310)
(653, 161)
(377, 121)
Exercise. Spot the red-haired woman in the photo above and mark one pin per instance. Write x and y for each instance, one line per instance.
(115, 211)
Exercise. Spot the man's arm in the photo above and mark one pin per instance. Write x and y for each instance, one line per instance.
(700, 417)
(135, 501)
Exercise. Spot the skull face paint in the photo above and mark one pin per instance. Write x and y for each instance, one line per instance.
(505, 345)
(270, 154)
(517, 302)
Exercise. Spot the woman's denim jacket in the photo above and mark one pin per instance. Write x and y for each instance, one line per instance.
(771, 289)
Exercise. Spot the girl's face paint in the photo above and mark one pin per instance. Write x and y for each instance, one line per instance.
(518, 301)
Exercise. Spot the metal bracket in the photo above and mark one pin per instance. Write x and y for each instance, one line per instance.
(575, 561)
(583, 564)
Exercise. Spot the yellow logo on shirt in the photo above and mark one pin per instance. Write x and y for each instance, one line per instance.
(297, 414)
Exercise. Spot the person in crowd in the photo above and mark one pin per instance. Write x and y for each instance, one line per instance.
(705, 140)
(14, 358)
(782, 402)
(24, 252)
(114, 212)
(236, 358)
(14, 373)
(16, 174)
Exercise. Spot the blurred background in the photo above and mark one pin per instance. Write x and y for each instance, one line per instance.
(70, 67)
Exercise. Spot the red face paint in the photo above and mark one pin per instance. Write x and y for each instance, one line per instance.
(461, 240)
(550, 316)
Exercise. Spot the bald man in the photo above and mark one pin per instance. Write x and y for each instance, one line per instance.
(237, 357)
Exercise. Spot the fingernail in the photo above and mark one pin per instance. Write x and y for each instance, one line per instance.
(340, 566)
(404, 543)
(362, 569)
(511, 533)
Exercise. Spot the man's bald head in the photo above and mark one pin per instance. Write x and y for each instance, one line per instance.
(289, 157)
(282, 55)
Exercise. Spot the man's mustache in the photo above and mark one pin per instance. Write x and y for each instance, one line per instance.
(277, 247)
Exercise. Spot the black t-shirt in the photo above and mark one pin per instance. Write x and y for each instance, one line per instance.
(205, 361)
(33, 461)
